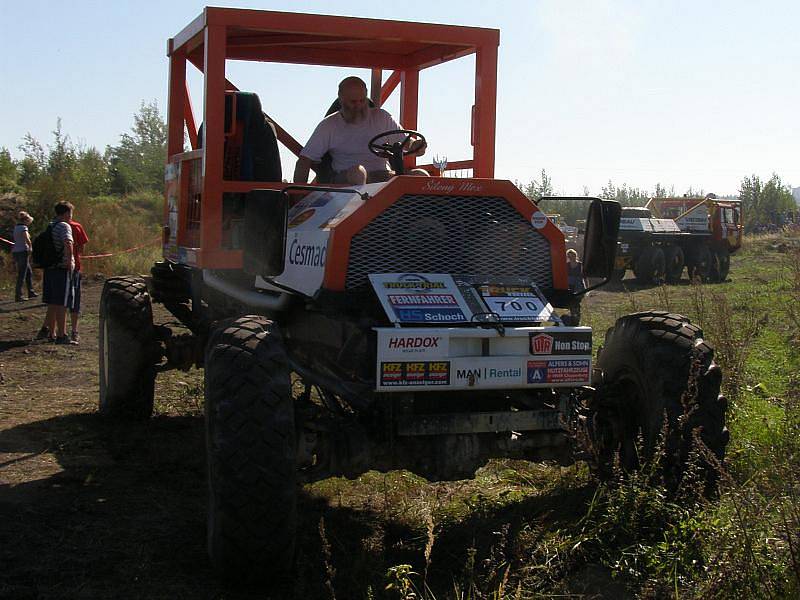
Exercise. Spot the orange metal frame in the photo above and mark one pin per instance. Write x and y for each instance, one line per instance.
(404, 48)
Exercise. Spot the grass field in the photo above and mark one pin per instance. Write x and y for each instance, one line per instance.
(94, 510)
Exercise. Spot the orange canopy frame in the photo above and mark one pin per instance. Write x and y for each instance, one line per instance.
(403, 48)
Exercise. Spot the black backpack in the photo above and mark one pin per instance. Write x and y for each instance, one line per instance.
(44, 253)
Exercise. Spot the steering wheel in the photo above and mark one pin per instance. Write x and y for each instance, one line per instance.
(394, 151)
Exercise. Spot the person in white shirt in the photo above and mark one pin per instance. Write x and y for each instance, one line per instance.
(346, 135)
(21, 251)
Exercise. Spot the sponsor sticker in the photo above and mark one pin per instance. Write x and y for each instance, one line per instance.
(420, 298)
(506, 290)
(423, 373)
(558, 371)
(474, 376)
(538, 219)
(301, 218)
(561, 343)
(306, 254)
(412, 345)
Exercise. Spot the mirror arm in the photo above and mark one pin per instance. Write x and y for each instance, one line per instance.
(320, 188)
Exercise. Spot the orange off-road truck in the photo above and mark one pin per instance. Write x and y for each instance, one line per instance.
(421, 323)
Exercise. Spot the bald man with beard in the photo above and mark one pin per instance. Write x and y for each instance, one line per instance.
(346, 135)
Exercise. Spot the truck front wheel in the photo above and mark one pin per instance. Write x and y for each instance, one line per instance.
(674, 263)
(700, 264)
(720, 264)
(649, 268)
(250, 444)
(660, 394)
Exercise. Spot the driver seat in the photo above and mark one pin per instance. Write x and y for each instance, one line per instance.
(325, 168)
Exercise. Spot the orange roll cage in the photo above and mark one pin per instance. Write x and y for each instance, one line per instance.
(220, 34)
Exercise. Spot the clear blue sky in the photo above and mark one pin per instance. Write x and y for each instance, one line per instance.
(685, 93)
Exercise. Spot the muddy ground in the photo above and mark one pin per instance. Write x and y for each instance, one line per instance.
(96, 509)
(90, 509)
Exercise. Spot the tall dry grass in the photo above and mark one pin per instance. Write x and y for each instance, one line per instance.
(114, 224)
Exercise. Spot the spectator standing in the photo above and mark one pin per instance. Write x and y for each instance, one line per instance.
(21, 251)
(574, 272)
(79, 240)
(576, 283)
(57, 290)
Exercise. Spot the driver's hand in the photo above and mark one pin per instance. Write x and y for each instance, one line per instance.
(417, 147)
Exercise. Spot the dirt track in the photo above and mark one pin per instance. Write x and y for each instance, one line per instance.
(94, 509)
(89, 509)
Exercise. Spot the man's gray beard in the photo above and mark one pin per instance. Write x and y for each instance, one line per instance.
(356, 116)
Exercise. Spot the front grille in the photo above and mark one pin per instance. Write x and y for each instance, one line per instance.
(471, 235)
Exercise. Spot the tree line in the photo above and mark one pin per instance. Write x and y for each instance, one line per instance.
(64, 169)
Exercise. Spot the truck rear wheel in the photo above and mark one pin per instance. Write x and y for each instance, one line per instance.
(674, 259)
(720, 264)
(659, 376)
(650, 266)
(699, 264)
(126, 349)
(250, 444)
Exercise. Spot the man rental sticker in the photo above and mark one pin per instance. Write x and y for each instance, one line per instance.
(431, 298)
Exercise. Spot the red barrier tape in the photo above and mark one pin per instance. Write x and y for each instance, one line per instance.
(150, 243)
(139, 247)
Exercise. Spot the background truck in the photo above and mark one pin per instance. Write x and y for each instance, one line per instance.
(658, 240)
(419, 323)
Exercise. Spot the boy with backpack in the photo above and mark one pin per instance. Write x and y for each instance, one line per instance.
(53, 252)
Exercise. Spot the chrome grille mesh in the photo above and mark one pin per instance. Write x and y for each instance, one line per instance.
(475, 235)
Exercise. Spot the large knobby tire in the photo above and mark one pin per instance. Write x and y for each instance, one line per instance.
(250, 444)
(170, 285)
(674, 259)
(660, 390)
(720, 264)
(699, 264)
(126, 349)
(650, 266)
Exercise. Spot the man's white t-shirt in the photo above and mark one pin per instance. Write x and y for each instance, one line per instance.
(62, 232)
(348, 142)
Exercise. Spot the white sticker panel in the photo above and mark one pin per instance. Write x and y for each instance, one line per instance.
(304, 263)
(424, 358)
(431, 298)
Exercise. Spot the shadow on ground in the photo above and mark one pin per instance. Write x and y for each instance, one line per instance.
(119, 511)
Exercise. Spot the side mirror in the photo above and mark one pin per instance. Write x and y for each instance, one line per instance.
(265, 218)
(600, 241)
